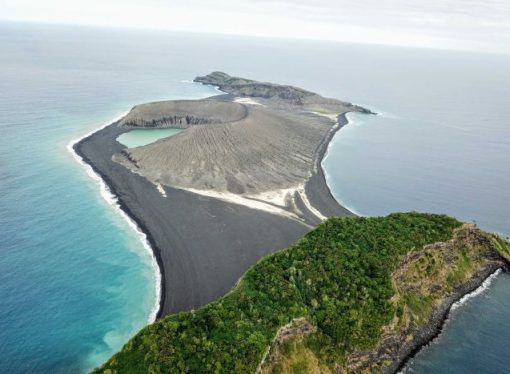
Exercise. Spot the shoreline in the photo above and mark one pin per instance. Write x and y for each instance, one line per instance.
(342, 120)
(318, 178)
(481, 289)
(111, 198)
(438, 322)
(326, 175)
(456, 305)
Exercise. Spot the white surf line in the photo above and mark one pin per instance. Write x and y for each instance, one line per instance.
(327, 176)
(483, 287)
(113, 201)
(456, 305)
(246, 100)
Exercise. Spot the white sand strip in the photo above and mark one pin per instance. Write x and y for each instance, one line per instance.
(309, 206)
(246, 100)
(274, 202)
(161, 190)
(248, 202)
(331, 116)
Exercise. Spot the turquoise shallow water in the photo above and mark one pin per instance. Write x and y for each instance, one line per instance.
(137, 138)
(75, 280)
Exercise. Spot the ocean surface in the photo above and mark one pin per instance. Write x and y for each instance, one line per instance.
(76, 280)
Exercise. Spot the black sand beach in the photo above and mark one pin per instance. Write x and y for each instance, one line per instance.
(202, 244)
(316, 188)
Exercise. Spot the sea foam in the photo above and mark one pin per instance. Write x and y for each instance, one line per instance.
(327, 177)
(484, 286)
(113, 201)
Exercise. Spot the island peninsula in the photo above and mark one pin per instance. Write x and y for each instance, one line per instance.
(243, 180)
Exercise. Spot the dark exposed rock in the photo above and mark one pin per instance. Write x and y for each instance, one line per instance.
(288, 94)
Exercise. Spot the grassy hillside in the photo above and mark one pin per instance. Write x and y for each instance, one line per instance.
(337, 287)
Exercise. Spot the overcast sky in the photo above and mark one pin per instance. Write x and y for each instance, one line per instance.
(451, 24)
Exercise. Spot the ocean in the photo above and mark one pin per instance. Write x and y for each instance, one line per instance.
(76, 281)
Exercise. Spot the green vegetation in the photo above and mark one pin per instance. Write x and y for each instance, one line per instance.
(338, 277)
(502, 247)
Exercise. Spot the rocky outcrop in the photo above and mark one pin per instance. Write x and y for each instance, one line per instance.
(276, 93)
(250, 88)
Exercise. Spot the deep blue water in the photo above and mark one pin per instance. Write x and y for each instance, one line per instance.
(75, 280)
(475, 339)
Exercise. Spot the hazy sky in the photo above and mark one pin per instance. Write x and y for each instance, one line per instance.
(452, 24)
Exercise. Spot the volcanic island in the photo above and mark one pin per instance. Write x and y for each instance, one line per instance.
(242, 180)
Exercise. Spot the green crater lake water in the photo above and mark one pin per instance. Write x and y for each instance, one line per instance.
(139, 137)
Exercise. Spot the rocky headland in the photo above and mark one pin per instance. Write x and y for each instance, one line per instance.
(355, 295)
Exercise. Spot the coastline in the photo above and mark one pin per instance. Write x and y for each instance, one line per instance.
(433, 329)
(326, 175)
(481, 289)
(113, 200)
(320, 173)
(483, 285)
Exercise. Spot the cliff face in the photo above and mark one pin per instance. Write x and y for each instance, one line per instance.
(183, 113)
(427, 283)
